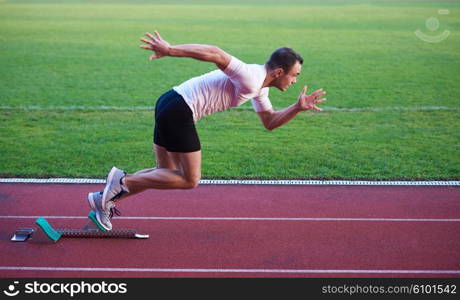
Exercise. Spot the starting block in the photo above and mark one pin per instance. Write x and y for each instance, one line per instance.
(91, 230)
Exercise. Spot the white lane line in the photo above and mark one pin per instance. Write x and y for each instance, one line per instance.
(248, 182)
(249, 219)
(241, 108)
(196, 270)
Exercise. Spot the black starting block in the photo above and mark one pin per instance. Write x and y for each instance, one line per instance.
(91, 230)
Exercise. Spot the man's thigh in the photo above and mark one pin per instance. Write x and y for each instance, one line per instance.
(189, 163)
(163, 158)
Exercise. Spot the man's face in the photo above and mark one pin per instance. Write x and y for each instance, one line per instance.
(289, 78)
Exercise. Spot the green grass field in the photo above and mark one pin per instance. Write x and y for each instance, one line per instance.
(76, 91)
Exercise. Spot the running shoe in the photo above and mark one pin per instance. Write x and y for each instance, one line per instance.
(103, 216)
(113, 188)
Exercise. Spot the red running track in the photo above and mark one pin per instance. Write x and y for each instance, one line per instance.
(242, 231)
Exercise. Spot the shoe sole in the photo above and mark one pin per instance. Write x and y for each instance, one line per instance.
(107, 186)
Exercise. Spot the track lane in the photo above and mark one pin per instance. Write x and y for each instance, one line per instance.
(244, 244)
(243, 201)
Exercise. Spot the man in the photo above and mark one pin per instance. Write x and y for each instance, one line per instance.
(176, 143)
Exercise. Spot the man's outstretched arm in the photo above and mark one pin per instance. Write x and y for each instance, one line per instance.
(200, 52)
(273, 119)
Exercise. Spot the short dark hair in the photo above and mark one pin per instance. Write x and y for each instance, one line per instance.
(284, 58)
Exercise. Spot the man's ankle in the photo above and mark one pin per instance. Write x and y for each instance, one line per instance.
(124, 184)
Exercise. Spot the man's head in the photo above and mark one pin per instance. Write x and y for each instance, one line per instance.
(284, 65)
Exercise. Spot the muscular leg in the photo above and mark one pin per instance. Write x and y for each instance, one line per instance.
(163, 160)
(174, 171)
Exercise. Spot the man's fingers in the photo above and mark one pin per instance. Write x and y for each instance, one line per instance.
(148, 34)
(303, 91)
(154, 57)
(146, 41)
(145, 47)
(317, 108)
(158, 36)
(321, 100)
(318, 93)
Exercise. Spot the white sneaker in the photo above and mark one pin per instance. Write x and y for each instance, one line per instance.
(113, 188)
(103, 216)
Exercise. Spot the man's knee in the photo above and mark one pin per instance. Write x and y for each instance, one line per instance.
(193, 182)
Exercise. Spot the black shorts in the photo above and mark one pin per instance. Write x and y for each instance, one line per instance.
(174, 126)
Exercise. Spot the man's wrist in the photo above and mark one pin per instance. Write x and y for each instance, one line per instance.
(170, 51)
(297, 106)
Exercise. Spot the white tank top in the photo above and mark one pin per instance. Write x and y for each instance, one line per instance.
(219, 90)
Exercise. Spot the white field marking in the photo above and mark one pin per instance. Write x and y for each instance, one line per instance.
(77, 108)
(180, 270)
(243, 108)
(249, 219)
(246, 182)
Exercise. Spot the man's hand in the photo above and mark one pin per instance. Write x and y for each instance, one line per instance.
(155, 44)
(274, 119)
(308, 102)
